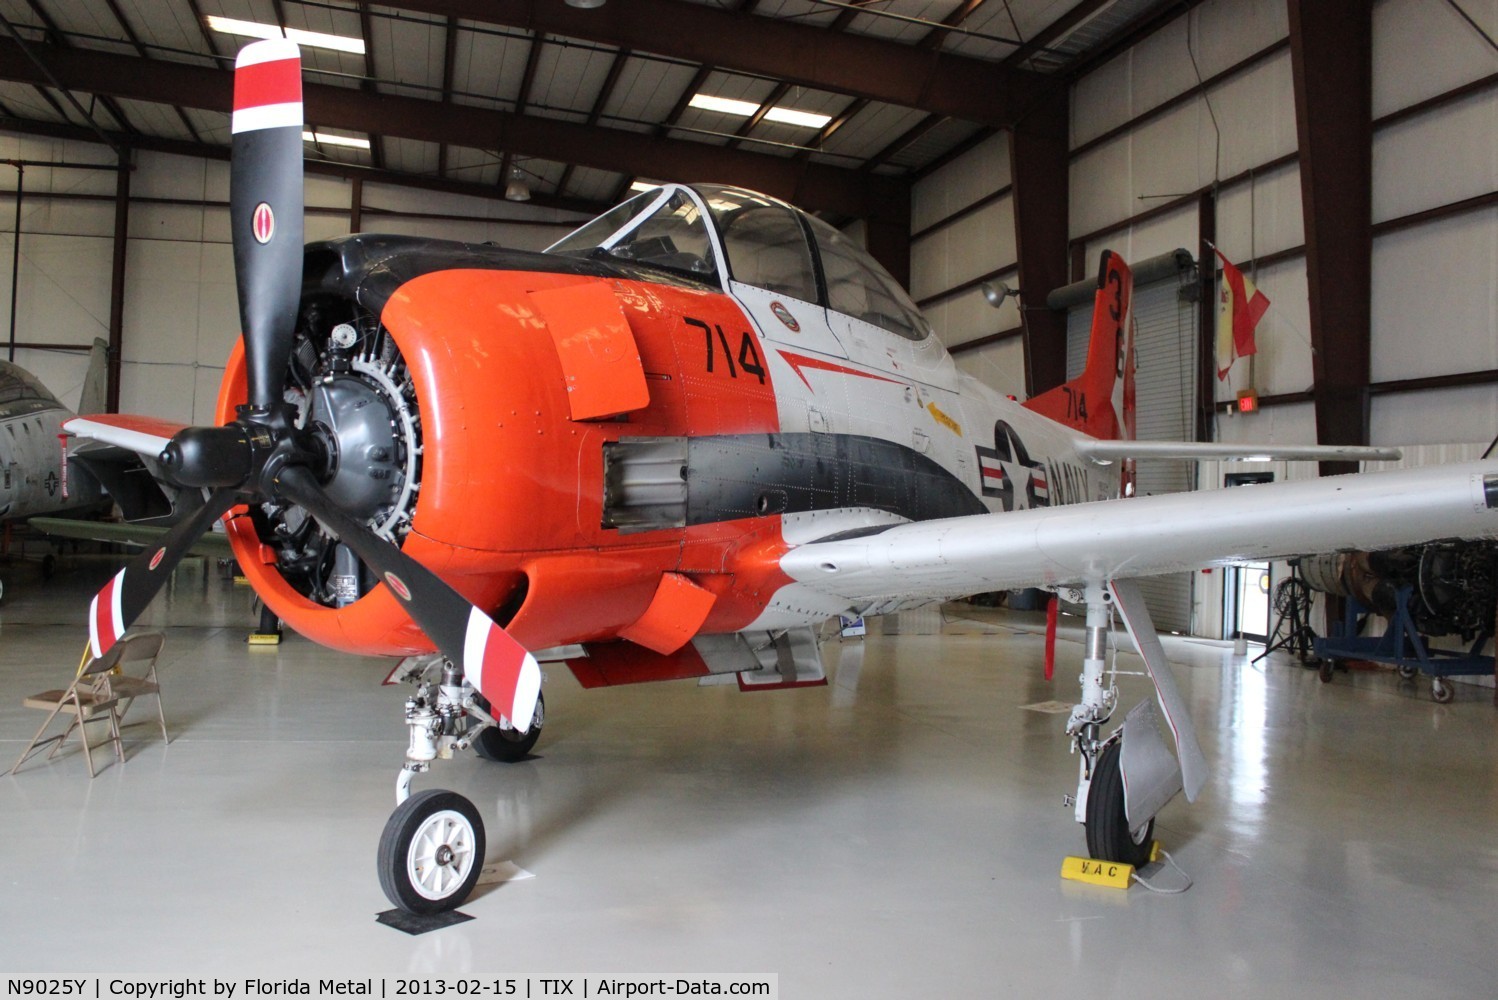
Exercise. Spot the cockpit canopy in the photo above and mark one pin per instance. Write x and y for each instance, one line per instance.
(717, 235)
(17, 385)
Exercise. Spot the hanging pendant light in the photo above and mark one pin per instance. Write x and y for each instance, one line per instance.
(516, 186)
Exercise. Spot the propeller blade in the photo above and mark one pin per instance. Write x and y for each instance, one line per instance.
(265, 206)
(502, 670)
(126, 595)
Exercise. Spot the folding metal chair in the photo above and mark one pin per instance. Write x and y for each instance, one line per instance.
(136, 648)
(95, 695)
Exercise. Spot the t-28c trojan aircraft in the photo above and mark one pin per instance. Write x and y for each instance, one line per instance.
(680, 439)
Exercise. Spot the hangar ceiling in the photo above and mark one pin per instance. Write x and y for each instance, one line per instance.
(580, 102)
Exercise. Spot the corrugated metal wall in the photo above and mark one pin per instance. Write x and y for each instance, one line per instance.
(1165, 352)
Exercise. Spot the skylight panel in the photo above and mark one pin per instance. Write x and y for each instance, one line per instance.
(309, 39)
(333, 139)
(745, 109)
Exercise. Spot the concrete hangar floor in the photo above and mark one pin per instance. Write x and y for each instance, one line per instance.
(897, 833)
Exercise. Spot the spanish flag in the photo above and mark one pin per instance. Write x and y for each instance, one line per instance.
(1240, 307)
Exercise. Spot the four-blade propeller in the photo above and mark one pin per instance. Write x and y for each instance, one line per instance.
(262, 455)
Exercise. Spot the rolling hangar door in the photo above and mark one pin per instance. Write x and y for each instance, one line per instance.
(1166, 355)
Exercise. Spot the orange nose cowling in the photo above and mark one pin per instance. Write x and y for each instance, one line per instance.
(485, 395)
(512, 485)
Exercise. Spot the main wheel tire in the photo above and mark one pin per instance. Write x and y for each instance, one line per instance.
(431, 852)
(510, 745)
(1108, 836)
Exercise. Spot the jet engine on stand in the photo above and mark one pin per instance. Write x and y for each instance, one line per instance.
(1447, 588)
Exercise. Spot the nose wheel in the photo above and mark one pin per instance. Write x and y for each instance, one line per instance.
(506, 744)
(432, 848)
(431, 852)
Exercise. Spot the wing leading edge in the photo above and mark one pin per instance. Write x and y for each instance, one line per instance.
(145, 436)
(1145, 536)
(214, 543)
(1103, 451)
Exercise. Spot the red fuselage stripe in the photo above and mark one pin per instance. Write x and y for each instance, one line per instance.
(800, 361)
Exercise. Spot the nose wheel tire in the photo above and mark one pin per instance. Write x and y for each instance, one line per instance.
(510, 745)
(431, 852)
(1108, 836)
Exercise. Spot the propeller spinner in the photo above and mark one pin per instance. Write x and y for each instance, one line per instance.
(262, 455)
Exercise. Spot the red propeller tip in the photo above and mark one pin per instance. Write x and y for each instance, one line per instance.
(106, 622)
(267, 86)
(501, 669)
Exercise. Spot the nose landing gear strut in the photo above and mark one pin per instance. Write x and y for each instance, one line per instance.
(432, 849)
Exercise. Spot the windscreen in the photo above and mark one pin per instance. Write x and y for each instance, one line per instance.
(661, 228)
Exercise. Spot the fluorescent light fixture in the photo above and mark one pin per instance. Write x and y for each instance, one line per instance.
(786, 116)
(310, 39)
(642, 185)
(724, 104)
(329, 139)
(790, 116)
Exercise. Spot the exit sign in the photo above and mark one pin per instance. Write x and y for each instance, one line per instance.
(1248, 401)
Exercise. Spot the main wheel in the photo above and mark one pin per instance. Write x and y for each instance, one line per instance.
(431, 852)
(1108, 836)
(509, 745)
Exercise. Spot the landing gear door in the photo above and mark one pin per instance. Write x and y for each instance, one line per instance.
(788, 321)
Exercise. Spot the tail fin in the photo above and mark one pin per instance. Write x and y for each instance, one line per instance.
(1100, 401)
(96, 383)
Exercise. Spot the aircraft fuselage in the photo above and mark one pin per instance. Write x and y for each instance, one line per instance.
(765, 421)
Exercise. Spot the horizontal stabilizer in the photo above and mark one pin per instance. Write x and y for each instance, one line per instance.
(1192, 451)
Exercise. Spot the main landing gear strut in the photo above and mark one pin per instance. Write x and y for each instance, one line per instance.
(432, 849)
(1127, 776)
